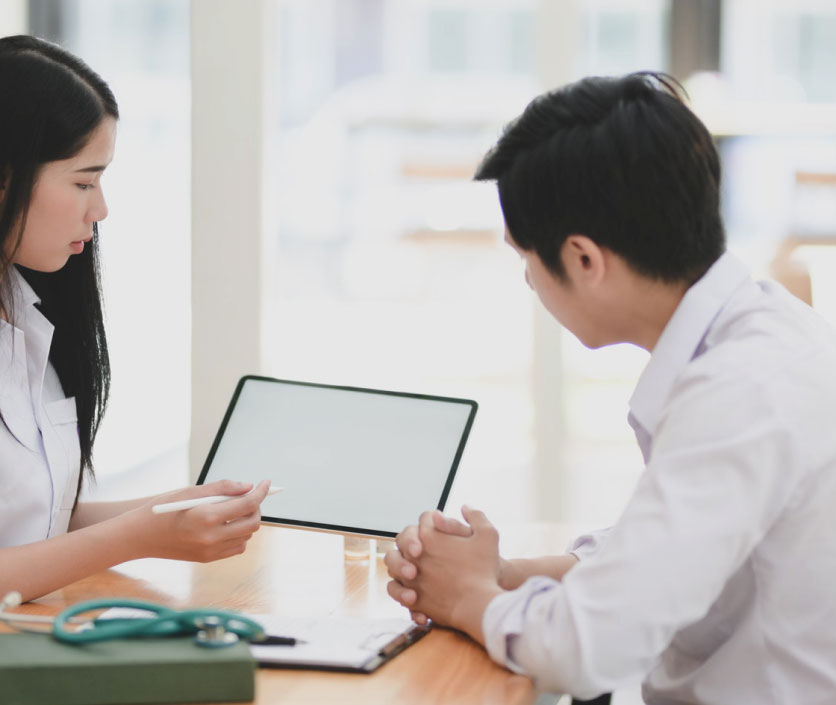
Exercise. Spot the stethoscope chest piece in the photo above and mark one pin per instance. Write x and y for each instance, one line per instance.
(212, 634)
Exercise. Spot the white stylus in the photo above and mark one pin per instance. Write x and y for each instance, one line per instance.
(197, 501)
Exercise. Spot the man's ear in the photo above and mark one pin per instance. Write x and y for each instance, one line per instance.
(583, 259)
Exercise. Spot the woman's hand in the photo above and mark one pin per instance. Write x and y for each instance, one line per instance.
(110, 533)
(205, 533)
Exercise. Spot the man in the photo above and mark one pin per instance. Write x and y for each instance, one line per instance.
(718, 582)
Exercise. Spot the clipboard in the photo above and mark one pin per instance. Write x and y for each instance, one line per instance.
(326, 643)
(335, 643)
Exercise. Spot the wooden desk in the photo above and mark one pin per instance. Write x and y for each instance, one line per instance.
(291, 572)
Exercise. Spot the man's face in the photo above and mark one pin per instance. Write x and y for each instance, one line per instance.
(561, 297)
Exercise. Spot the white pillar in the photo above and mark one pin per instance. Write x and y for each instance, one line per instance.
(13, 17)
(232, 96)
(558, 28)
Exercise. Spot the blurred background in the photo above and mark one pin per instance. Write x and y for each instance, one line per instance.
(386, 264)
(389, 265)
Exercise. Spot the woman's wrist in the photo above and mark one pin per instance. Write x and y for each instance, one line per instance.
(127, 533)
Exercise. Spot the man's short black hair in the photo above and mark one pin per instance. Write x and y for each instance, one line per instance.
(620, 160)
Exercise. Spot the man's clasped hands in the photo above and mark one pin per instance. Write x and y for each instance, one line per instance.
(449, 571)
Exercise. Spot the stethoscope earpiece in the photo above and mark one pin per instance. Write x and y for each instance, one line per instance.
(11, 599)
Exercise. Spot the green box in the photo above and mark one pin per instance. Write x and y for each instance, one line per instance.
(37, 670)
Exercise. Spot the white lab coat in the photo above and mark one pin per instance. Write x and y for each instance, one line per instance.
(40, 455)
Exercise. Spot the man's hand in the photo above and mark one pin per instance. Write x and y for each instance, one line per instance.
(401, 565)
(448, 577)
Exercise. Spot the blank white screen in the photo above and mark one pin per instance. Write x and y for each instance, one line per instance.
(346, 458)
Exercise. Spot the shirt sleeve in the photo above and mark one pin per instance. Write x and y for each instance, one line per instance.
(721, 470)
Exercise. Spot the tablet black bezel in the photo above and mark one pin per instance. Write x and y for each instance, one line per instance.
(297, 523)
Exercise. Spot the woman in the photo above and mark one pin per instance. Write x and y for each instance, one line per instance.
(57, 133)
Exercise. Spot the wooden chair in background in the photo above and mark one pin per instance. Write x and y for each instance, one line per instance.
(814, 193)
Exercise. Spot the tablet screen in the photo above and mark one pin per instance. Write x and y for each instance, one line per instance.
(356, 460)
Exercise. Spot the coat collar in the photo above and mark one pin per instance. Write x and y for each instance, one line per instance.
(24, 355)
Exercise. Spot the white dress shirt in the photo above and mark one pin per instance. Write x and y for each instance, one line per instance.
(39, 448)
(718, 582)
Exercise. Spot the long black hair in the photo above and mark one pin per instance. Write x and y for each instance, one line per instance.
(620, 160)
(50, 104)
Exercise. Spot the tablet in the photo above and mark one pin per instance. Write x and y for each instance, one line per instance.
(350, 460)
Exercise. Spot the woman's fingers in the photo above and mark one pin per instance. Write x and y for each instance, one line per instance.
(232, 509)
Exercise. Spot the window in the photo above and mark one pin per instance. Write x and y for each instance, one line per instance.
(141, 47)
(392, 271)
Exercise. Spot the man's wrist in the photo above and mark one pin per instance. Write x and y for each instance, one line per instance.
(509, 577)
(469, 612)
(513, 573)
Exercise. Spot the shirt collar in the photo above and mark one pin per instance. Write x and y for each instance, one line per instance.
(682, 336)
(23, 295)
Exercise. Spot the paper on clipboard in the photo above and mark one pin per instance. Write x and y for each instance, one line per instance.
(331, 643)
(359, 644)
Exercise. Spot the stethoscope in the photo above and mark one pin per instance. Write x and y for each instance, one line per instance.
(212, 627)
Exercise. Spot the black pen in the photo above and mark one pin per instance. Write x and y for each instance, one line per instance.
(271, 640)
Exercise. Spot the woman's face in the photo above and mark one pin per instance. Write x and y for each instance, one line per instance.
(66, 200)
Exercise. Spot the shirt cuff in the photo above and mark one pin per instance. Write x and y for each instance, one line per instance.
(586, 545)
(504, 618)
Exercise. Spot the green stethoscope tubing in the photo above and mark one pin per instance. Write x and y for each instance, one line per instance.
(167, 622)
